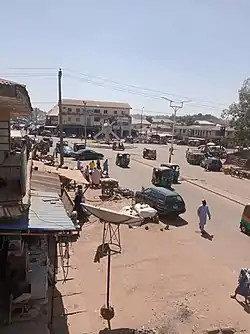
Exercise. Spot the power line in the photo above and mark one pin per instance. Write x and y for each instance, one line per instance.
(146, 89)
(130, 91)
(87, 76)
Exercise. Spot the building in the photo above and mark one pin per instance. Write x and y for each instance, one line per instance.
(138, 124)
(162, 125)
(202, 131)
(204, 123)
(78, 113)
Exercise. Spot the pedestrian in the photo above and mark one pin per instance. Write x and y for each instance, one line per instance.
(78, 164)
(203, 212)
(86, 173)
(98, 165)
(243, 285)
(105, 167)
(92, 165)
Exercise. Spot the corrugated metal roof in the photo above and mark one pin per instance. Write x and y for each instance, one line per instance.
(47, 213)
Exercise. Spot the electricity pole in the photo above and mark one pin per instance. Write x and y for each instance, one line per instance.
(85, 123)
(60, 116)
(142, 109)
(175, 105)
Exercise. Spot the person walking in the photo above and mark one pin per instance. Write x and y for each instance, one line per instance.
(203, 212)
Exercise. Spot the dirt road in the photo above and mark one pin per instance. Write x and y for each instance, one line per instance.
(174, 277)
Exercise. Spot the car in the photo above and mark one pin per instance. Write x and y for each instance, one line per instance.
(165, 201)
(67, 151)
(212, 164)
(87, 154)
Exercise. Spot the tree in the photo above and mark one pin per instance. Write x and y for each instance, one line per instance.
(238, 114)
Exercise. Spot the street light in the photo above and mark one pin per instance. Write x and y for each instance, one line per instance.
(175, 105)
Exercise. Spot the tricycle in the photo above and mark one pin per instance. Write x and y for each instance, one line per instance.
(118, 146)
(162, 177)
(245, 220)
(78, 146)
(176, 171)
(122, 160)
(149, 153)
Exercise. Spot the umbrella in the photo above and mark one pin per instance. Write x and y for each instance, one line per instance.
(211, 144)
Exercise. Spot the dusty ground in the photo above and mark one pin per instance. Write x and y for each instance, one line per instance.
(162, 278)
(165, 278)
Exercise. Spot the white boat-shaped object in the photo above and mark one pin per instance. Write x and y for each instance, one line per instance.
(112, 216)
(144, 211)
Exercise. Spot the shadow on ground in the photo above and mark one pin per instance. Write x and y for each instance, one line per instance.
(123, 331)
(207, 236)
(177, 222)
(60, 315)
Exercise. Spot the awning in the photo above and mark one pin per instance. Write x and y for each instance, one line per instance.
(74, 175)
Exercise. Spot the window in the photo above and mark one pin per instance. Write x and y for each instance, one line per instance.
(64, 107)
(77, 109)
(69, 119)
(69, 109)
(97, 111)
(105, 111)
(115, 112)
(96, 119)
(77, 119)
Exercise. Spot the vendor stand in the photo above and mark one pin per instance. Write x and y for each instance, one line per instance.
(109, 186)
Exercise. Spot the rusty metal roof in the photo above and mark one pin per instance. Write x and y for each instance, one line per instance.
(14, 97)
(47, 213)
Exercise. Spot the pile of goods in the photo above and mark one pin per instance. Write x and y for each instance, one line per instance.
(144, 211)
(125, 192)
(109, 186)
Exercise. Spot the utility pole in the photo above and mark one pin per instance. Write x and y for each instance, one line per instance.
(36, 124)
(142, 109)
(175, 105)
(85, 123)
(60, 116)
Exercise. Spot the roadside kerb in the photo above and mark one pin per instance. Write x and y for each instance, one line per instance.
(218, 193)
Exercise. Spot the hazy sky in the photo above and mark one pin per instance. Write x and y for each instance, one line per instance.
(191, 48)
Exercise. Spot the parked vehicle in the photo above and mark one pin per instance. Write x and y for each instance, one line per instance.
(162, 177)
(65, 143)
(86, 154)
(118, 146)
(123, 159)
(165, 201)
(176, 171)
(212, 164)
(245, 220)
(148, 153)
(67, 151)
(78, 146)
(195, 157)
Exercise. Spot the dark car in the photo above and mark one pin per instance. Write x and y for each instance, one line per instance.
(87, 154)
(165, 201)
(67, 151)
(212, 164)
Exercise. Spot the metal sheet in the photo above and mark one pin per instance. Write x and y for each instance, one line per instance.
(47, 213)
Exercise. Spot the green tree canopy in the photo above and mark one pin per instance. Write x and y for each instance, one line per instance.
(239, 114)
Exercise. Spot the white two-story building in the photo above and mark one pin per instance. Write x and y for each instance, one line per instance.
(78, 113)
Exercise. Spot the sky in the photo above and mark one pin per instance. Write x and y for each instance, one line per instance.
(133, 51)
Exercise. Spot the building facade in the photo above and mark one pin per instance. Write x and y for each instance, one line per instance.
(203, 131)
(78, 113)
